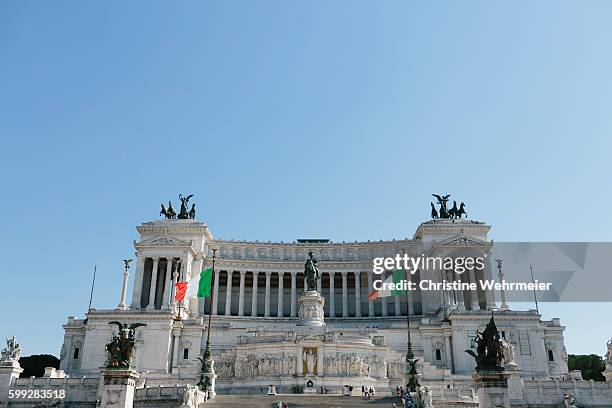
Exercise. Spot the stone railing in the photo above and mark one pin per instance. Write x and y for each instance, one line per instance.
(161, 396)
(75, 389)
(84, 393)
(586, 393)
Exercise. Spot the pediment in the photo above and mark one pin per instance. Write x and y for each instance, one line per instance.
(163, 241)
(462, 240)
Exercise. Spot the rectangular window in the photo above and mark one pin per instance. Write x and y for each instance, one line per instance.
(75, 355)
(551, 356)
(438, 355)
(186, 354)
(503, 334)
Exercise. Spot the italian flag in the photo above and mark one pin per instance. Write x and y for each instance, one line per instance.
(396, 277)
(198, 286)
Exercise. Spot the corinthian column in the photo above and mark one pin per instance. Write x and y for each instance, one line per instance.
(357, 294)
(168, 290)
(153, 284)
(228, 294)
(254, 296)
(137, 293)
(490, 299)
(344, 295)
(474, 293)
(397, 310)
(459, 293)
(293, 294)
(267, 296)
(241, 295)
(215, 305)
(279, 312)
(370, 288)
(197, 266)
(126, 274)
(332, 295)
(385, 313)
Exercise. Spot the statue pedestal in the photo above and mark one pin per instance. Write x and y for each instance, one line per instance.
(208, 379)
(212, 378)
(9, 371)
(117, 388)
(515, 385)
(310, 311)
(492, 389)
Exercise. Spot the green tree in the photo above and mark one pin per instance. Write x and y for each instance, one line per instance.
(34, 365)
(591, 366)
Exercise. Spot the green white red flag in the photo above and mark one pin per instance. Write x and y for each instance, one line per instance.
(198, 286)
(396, 277)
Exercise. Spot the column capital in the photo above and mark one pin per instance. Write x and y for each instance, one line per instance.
(344, 273)
(268, 273)
(281, 273)
(242, 273)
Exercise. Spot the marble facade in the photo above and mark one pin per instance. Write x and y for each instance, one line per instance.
(257, 331)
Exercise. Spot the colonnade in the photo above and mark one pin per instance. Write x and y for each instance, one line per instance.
(345, 293)
(154, 280)
(466, 299)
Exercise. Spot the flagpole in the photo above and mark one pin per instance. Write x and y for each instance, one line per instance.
(210, 300)
(93, 282)
(413, 381)
(535, 296)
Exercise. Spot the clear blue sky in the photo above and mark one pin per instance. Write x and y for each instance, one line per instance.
(292, 119)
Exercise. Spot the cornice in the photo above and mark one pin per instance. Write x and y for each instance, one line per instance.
(446, 227)
(130, 314)
(175, 226)
(291, 266)
(499, 317)
(331, 244)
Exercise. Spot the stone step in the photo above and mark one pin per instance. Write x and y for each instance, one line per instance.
(301, 400)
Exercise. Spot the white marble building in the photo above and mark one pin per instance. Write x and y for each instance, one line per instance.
(255, 340)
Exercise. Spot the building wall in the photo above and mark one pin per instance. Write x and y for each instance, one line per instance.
(161, 345)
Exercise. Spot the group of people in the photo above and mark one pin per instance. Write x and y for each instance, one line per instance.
(421, 398)
(367, 392)
(404, 397)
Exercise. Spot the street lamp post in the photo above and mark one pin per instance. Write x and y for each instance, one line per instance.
(411, 371)
(207, 371)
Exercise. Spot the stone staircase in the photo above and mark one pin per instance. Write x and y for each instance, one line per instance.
(300, 400)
